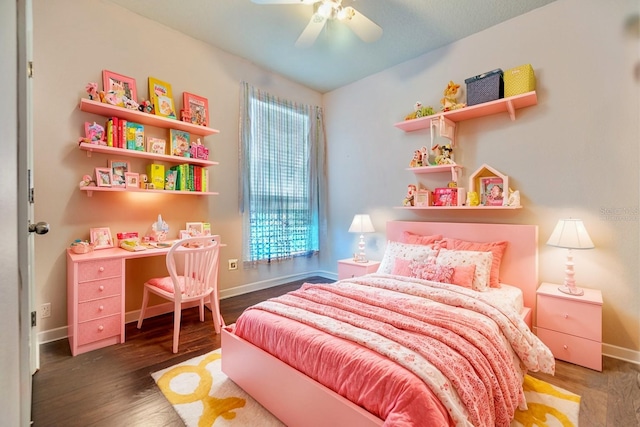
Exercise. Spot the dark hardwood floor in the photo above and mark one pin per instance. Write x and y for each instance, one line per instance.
(113, 386)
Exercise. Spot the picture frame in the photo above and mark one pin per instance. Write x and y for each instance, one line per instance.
(120, 86)
(161, 97)
(156, 145)
(103, 177)
(132, 179)
(422, 198)
(119, 169)
(195, 228)
(184, 234)
(446, 196)
(101, 237)
(491, 191)
(196, 108)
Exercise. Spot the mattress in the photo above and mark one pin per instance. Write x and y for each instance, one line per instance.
(383, 385)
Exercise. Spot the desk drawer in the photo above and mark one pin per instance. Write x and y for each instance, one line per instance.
(100, 269)
(96, 330)
(570, 317)
(99, 289)
(573, 349)
(99, 308)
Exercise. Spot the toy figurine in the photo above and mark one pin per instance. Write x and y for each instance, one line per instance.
(411, 190)
(514, 198)
(129, 103)
(444, 158)
(450, 100)
(145, 106)
(472, 198)
(420, 111)
(92, 90)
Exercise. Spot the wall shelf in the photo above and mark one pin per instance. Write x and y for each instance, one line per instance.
(90, 148)
(508, 105)
(90, 189)
(108, 110)
(434, 169)
(482, 208)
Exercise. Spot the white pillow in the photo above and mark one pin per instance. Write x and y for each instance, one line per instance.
(482, 261)
(403, 250)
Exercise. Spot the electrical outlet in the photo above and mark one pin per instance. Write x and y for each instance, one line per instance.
(233, 264)
(46, 310)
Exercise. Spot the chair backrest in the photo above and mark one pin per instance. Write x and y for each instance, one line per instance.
(194, 261)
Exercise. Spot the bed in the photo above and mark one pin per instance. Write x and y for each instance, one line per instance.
(411, 386)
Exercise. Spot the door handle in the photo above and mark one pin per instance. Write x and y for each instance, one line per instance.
(39, 228)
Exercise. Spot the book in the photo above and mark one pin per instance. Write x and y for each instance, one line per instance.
(110, 133)
(122, 133)
(161, 98)
(171, 176)
(135, 136)
(156, 145)
(179, 142)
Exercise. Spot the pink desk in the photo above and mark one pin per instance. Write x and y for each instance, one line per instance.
(95, 296)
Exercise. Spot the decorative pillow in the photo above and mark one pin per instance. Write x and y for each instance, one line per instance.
(418, 239)
(401, 267)
(402, 250)
(463, 275)
(496, 248)
(481, 261)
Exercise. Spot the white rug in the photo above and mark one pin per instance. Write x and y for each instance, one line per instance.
(204, 396)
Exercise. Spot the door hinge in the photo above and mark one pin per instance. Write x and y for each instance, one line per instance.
(33, 319)
(30, 69)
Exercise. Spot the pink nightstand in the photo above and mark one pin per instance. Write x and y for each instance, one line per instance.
(571, 326)
(349, 268)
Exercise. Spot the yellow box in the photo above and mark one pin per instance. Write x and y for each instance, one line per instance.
(519, 80)
(155, 174)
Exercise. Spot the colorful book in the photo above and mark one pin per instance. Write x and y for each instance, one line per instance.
(179, 142)
(110, 133)
(171, 177)
(135, 136)
(116, 133)
(122, 134)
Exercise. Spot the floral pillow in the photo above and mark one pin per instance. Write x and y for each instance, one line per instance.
(481, 260)
(395, 250)
(432, 271)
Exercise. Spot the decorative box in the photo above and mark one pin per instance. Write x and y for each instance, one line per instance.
(450, 196)
(519, 80)
(155, 174)
(485, 87)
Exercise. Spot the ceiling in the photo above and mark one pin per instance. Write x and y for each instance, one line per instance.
(266, 34)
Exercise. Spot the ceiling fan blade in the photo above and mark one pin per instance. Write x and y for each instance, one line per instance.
(284, 1)
(364, 27)
(311, 31)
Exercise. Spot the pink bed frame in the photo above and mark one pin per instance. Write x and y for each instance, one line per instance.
(297, 400)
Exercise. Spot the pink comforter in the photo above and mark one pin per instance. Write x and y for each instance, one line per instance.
(454, 346)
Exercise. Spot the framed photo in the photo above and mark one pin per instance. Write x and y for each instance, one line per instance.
(491, 191)
(184, 234)
(119, 86)
(101, 237)
(422, 198)
(195, 229)
(103, 177)
(161, 98)
(197, 108)
(156, 145)
(132, 179)
(119, 169)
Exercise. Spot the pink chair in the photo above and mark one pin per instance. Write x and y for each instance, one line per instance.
(193, 276)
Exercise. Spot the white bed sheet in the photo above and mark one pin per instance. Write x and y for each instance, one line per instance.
(507, 295)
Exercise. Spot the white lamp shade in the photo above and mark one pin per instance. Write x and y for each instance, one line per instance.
(361, 224)
(570, 234)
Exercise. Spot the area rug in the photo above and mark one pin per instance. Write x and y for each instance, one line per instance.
(204, 396)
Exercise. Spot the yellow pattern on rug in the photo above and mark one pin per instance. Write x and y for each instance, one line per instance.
(548, 406)
(204, 396)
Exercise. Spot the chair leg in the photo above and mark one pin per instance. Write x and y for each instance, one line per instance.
(177, 314)
(201, 305)
(218, 321)
(145, 300)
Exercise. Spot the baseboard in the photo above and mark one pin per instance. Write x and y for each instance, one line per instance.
(621, 353)
(156, 310)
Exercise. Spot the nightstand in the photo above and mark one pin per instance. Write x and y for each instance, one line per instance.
(349, 268)
(571, 326)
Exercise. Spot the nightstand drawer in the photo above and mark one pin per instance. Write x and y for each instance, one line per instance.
(349, 268)
(99, 308)
(96, 330)
(569, 348)
(93, 270)
(570, 317)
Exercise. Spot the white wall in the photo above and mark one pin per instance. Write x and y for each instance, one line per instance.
(73, 42)
(574, 154)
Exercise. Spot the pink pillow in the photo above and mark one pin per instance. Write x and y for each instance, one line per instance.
(401, 267)
(417, 239)
(166, 284)
(496, 248)
(463, 275)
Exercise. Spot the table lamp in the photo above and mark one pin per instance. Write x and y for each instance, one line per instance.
(361, 224)
(570, 234)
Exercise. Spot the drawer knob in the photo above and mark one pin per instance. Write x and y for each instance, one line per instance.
(101, 269)
(101, 308)
(101, 328)
(101, 288)
(566, 347)
(566, 316)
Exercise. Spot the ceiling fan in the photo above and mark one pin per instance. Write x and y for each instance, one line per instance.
(324, 10)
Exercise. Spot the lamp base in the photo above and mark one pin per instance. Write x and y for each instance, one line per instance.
(567, 290)
(360, 258)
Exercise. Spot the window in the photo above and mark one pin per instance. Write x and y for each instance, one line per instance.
(282, 170)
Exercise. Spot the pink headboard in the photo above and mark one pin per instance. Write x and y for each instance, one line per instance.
(519, 265)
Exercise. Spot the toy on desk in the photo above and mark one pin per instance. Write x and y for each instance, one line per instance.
(132, 245)
(81, 247)
(159, 230)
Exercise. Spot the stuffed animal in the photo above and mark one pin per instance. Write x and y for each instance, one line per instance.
(408, 201)
(450, 100)
(445, 155)
(420, 111)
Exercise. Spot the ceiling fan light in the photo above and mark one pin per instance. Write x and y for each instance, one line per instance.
(326, 9)
(346, 13)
